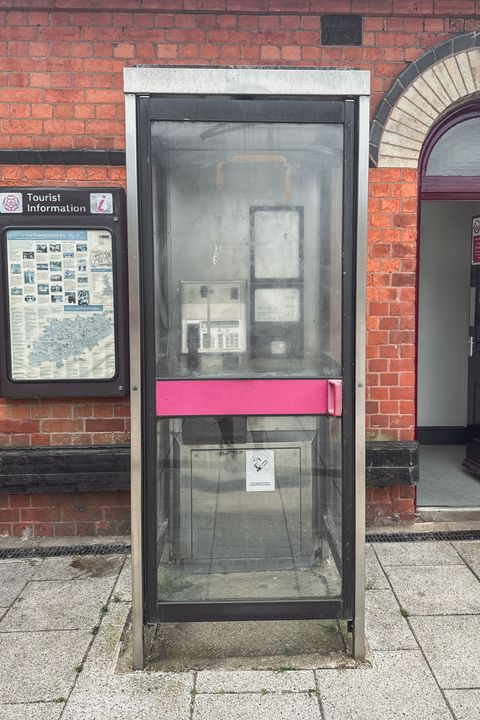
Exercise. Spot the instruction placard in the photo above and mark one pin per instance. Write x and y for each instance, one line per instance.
(260, 470)
(61, 304)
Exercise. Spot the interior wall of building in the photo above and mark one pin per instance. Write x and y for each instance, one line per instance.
(444, 296)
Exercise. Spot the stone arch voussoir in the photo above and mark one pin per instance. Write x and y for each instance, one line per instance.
(438, 80)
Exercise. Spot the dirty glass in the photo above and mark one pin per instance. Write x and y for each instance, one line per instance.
(247, 232)
(249, 508)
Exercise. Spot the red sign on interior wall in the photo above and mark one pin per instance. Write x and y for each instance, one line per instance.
(476, 240)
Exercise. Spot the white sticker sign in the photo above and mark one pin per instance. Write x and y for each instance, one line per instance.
(101, 203)
(260, 470)
(277, 305)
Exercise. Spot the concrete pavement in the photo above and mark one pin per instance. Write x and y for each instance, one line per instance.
(62, 620)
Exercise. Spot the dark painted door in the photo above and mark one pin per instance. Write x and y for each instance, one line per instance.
(472, 459)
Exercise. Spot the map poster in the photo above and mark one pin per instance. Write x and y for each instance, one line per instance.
(61, 304)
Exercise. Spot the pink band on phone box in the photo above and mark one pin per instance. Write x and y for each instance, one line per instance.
(179, 398)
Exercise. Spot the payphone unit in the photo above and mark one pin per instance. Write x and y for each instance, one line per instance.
(214, 322)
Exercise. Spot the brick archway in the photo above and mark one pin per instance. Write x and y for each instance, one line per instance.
(437, 81)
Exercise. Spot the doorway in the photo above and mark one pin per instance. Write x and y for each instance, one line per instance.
(445, 319)
(448, 333)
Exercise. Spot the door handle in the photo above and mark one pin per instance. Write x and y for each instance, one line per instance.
(334, 397)
(470, 346)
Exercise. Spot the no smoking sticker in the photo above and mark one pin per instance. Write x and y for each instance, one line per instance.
(260, 470)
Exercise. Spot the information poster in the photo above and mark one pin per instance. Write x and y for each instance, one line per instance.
(277, 243)
(260, 470)
(476, 241)
(277, 305)
(61, 304)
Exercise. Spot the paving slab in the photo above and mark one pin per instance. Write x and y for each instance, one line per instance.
(465, 703)
(270, 706)
(385, 627)
(13, 577)
(452, 647)
(440, 590)
(417, 553)
(398, 686)
(31, 711)
(103, 655)
(77, 567)
(101, 693)
(469, 550)
(39, 666)
(375, 578)
(210, 681)
(137, 696)
(58, 605)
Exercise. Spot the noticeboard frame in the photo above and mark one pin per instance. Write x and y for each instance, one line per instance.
(115, 224)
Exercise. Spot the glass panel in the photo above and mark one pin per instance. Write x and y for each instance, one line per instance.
(249, 508)
(248, 235)
(458, 150)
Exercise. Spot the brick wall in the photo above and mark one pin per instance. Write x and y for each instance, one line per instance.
(61, 87)
(64, 514)
(61, 66)
(390, 504)
(391, 282)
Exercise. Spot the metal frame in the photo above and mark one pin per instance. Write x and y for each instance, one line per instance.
(360, 315)
(241, 81)
(260, 82)
(138, 646)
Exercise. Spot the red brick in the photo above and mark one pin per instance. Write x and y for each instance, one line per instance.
(64, 529)
(9, 515)
(406, 491)
(389, 379)
(82, 513)
(117, 513)
(403, 506)
(167, 51)
(402, 393)
(39, 514)
(43, 529)
(84, 529)
(388, 323)
(104, 425)
(20, 426)
(388, 407)
(454, 7)
(63, 425)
